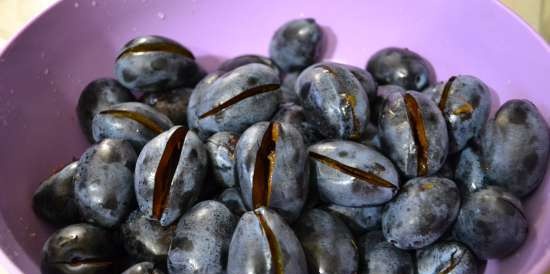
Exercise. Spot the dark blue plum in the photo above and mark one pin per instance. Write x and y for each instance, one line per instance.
(103, 182)
(80, 249)
(515, 147)
(97, 96)
(491, 223)
(465, 102)
(156, 64)
(296, 44)
(377, 256)
(54, 200)
(328, 244)
(421, 213)
(402, 67)
(446, 258)
(246, 59)
(172, 103)
(334, 101)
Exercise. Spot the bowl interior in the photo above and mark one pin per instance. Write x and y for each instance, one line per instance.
(44, 69)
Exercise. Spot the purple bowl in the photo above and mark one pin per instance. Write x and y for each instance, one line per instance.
(43, 70)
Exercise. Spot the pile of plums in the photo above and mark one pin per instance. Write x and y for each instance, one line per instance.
(284, 164)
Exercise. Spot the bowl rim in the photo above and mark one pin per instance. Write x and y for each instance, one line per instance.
(530, 29)
(8, 266)
(27, 25)
(541, 41)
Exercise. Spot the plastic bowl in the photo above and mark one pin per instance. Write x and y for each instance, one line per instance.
(43, 70)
